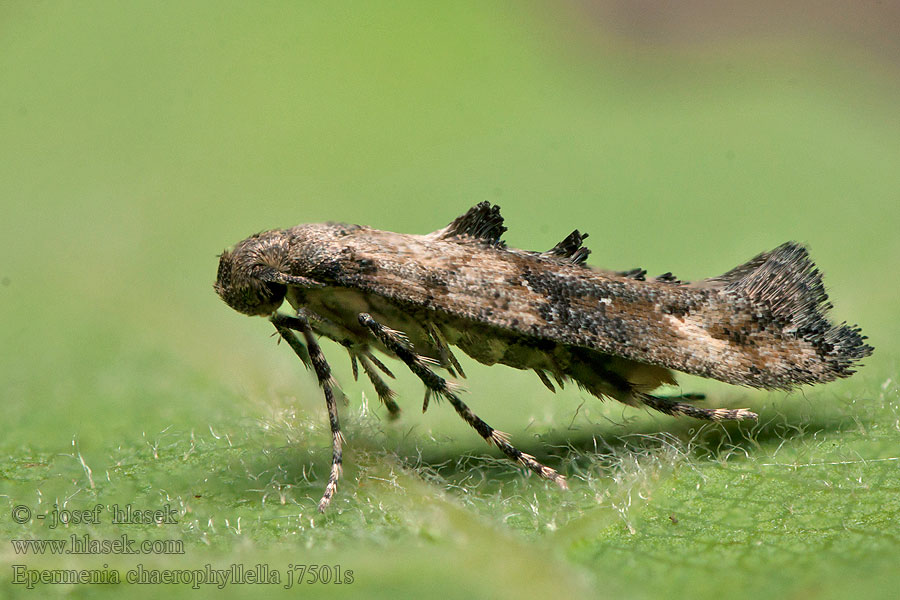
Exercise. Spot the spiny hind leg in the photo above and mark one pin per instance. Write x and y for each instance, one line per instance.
(311, 354)
(672, 406)
(399, 346)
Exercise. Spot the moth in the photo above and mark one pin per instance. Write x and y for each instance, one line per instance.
(616, 334)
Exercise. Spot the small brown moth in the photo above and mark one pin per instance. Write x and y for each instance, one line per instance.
(614, 333)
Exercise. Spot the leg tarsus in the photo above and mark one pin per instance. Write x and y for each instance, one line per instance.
(671, 406)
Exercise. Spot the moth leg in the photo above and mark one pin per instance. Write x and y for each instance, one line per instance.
(447, 359)
(689, 396)
(374, 360)
(545, 380)
(671, 406)
(436, 384)
(353, 365)
(283, 327)
(312, 354)
(385, 393)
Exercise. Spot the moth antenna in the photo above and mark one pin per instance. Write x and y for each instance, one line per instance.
(275, 276)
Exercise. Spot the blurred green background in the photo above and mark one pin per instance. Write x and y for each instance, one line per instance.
(137, 140)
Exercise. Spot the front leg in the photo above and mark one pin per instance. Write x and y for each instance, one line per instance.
(434, 383)
(312, 354)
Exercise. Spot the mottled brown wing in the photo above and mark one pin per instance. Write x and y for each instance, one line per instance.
(762, 324)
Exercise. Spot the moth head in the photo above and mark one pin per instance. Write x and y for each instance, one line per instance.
(247, 279)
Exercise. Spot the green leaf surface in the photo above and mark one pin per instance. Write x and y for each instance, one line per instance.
(140, 139)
